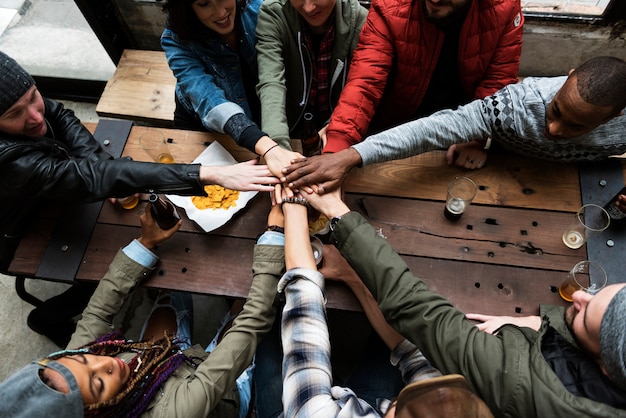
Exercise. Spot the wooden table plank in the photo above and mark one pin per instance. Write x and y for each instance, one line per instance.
(489, 289)
(485, 234)
(195, 261)
(507, 180)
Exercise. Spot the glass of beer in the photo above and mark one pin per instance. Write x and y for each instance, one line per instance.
(585, 275)
(128, 202)
(590, 219)
(461, 192)
(154, 143)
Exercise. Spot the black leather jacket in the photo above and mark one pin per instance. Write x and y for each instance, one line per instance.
(69, 164)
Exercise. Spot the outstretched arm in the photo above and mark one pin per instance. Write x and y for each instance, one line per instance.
(306, 344)
(217, 374)
(336, 267)
(243, 176)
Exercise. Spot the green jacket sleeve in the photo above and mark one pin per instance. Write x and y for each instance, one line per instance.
(273, 40)
(424, 317)
(97, 320)
(217, 374)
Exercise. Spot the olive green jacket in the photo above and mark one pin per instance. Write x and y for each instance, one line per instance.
(209, 389)
(506, 370)
(285, 67)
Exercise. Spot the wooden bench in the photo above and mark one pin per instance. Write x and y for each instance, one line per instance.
(141, 89)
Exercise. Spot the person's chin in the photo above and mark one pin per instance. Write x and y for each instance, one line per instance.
(37, 131)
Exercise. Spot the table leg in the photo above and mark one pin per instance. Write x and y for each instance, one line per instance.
(23, 294)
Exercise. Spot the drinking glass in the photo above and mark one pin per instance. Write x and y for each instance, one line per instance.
(590, 219)
(461, 192)
(585, 275)
(154, 143)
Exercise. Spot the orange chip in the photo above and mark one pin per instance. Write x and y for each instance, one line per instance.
(218, 198)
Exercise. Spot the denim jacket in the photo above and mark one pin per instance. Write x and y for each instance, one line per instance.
(209, 77)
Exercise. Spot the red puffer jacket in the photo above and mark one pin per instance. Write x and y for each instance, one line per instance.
(397, 54)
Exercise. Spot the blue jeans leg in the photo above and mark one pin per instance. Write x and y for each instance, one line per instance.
(268, 379)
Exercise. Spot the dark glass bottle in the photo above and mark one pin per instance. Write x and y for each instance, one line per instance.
(311, 141)
(163, 212)
(614, 212)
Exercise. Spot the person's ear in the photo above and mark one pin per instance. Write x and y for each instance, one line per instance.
(570, 72)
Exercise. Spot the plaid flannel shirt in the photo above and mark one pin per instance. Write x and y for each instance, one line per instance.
(319, 95)
(307, 374)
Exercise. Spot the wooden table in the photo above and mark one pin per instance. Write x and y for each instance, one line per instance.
(504, 256)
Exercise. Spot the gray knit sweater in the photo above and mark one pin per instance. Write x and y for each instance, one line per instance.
(514, 117)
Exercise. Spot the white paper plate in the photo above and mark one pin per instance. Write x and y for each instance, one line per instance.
(210, 219)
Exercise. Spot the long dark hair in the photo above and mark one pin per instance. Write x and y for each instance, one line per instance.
(153, 363)
(183, 21)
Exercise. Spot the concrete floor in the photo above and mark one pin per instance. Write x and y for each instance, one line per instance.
(52, 38)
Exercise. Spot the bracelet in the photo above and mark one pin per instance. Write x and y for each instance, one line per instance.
(269, 149)
(275, 228)
(297, 200)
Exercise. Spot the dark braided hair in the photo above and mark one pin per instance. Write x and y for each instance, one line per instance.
(154, 364)
(601, 81)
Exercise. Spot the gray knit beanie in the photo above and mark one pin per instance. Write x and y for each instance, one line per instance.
(613, 339)
(25, 395)
(14, 82)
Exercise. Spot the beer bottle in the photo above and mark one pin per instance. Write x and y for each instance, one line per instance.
(163, 212)
(614, 212)
(311, 141)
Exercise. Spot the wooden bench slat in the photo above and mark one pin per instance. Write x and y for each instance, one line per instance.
(141, 89)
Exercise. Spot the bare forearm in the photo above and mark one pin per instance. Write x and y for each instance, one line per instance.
(389, 335)
(298, 252)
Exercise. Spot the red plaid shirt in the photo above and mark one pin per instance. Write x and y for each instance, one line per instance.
(319, 97)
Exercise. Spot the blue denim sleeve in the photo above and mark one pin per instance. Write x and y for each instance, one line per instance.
(271, 238)
(137, 252)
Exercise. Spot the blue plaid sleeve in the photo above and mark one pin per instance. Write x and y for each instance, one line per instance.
(307, 374)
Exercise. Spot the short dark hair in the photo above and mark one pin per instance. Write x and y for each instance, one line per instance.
(601, 81)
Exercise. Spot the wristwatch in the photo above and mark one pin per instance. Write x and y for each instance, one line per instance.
(275, 228)
(333, 222)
